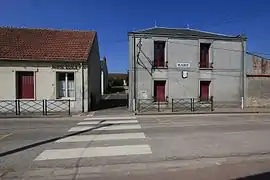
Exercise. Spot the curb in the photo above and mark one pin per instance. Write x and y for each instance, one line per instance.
(198, 113)
(34, 116)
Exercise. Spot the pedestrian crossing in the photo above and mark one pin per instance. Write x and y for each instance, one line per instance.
(121, 129)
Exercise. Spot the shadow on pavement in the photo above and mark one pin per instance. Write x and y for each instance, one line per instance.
(113, 101)
(262, 176)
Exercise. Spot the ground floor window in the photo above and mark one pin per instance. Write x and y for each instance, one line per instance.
(65, 85)
(204, 90)
(159, 91)
(25, 85)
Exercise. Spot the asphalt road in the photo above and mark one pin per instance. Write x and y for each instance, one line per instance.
(157, 147)
(18, 132)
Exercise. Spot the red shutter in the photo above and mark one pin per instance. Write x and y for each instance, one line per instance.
(202, 57)
(159, 53)
(159, 90)
(204, 90)
(25, 85)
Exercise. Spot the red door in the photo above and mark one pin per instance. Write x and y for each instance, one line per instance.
(204, 90)
(25, 85)
(159, 90)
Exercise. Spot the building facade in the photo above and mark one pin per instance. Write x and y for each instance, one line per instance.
(53, 65)
(166, 64)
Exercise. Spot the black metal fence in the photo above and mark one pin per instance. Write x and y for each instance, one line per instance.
(145, 105)
(43, 107)
(176, 105)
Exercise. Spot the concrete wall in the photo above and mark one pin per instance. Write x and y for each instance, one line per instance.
(258, 81)
(94, 76)
(226, 77)
(45, 81)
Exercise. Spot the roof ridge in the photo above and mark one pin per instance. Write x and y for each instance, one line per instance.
(46, 29)
(211, 32)
(192, 29)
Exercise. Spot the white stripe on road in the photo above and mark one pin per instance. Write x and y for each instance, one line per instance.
(108, 118)
(94, 152)
(107, 97)
(83, 138)
(113, 127)
(107, 122)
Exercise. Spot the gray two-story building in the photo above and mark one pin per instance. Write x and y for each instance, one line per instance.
(166, 64)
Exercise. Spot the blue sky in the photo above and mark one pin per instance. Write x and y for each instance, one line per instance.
(112, 19)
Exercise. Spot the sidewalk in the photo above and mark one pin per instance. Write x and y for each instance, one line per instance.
(216, 111)
(35, 115)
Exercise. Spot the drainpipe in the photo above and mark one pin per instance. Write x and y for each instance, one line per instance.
(134, 74)
(82, 87)
(243, 98)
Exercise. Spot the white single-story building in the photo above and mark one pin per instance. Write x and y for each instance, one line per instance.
(104, 76)
(51, 65)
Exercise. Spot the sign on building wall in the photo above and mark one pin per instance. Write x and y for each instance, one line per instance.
(183, 65)
(66, 66)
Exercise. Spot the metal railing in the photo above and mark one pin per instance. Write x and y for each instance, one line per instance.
(145, 105)
(44, 107)
(182, 104)
(192, 104)
(203, 104)
(176, 105)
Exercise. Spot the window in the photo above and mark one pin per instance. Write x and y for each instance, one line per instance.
(204, 90)
(159, 91)
(159, 54)
(65, 85)
(25, 87)
(204, 55)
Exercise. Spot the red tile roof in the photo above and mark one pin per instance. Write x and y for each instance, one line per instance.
(45, 44)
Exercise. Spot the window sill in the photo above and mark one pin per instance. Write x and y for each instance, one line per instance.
(65, 99)
(205, 68)
(27, 99)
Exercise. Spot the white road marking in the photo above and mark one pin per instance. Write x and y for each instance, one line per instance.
(107, 97)
(94, 152)
(83, 138)
(107, 122)
(109, 118)
(113, 127)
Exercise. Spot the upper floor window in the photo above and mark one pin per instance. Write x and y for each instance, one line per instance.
(159, 54)
(204, 55)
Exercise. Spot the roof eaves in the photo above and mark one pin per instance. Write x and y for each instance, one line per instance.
(184, 36)
(43, 60)
(164, 34)
(91, 44)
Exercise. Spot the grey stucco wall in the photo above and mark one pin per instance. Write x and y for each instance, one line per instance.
(94, 76)
(45, 81)
(226, 77)
(259, 91)
(258, 81)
